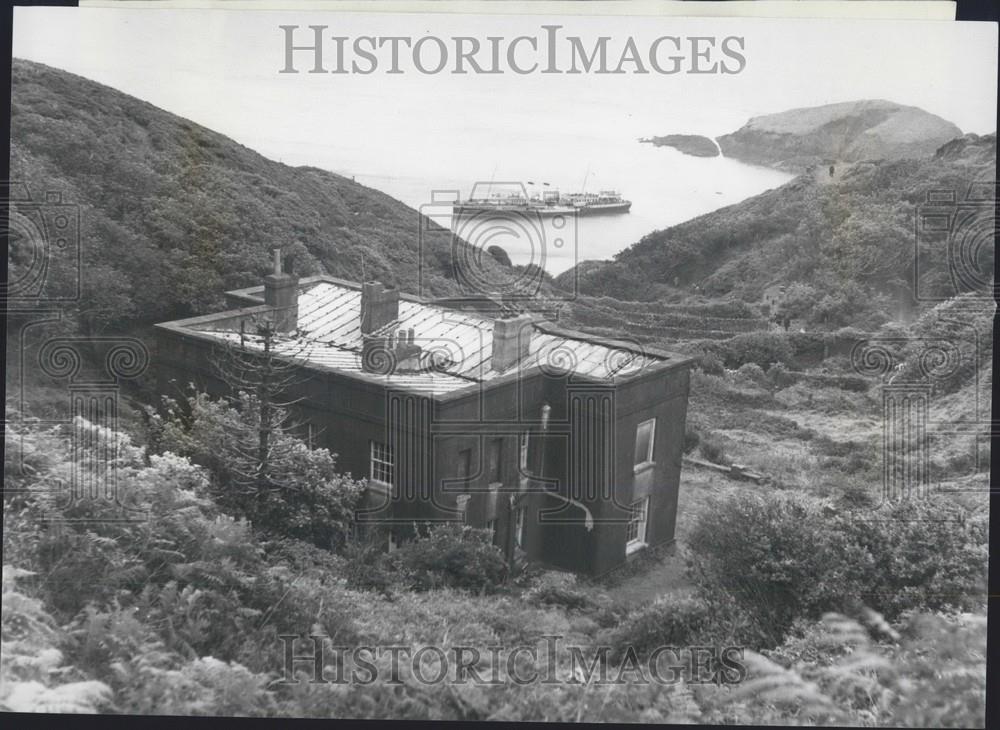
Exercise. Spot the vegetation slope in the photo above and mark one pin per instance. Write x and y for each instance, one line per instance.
(173, 214)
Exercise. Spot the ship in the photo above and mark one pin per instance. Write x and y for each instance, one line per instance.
(603, 203)
(549, 203)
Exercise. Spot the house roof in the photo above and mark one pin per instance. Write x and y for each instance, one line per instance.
(329, 336)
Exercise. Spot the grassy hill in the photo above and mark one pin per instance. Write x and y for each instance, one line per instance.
(869, 129)
(851, 234)
(172, 213)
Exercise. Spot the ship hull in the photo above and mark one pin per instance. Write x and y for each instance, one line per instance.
(606, 209)
(546, 211)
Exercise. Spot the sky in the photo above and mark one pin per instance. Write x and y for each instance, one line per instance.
(220, 69)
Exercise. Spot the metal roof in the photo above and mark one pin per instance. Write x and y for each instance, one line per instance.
(329, 334)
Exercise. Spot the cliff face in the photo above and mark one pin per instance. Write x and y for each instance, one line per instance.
(845, 132)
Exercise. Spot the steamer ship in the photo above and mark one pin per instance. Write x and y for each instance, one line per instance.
(548, 203)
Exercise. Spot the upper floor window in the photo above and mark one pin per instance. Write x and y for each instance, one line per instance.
(382, 466)
(525, 441)
(464, 463)
(645, 435)
(496, 461)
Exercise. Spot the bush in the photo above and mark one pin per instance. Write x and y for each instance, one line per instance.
(918, 554)
(779, 558)
(692, 436)
(780, 376)
(767, 555)
(710, 364)
(304, 497)
(369, 567)
(555, 589)
(668, 621)
(453, 555)
(751, 373)
(762, 348)
(712, 450)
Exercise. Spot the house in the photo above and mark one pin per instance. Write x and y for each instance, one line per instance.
(564, 444)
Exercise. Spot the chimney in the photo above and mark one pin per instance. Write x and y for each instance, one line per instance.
(281, 291)
(511, 340)
(390, 352)
(379, 306)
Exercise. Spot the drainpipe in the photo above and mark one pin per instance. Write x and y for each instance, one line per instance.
(588, 521)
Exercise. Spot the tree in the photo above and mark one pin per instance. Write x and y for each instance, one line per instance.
(250, 443)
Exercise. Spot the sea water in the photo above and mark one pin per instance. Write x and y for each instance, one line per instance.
(665, 186)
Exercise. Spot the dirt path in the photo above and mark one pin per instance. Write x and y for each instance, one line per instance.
(665, 574)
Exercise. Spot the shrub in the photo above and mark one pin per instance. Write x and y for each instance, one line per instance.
(712, 450)
(751, 373)
(780, 558)
(780, 376)
(691, 438)
(918, 554)
(710, 364)
(668, 621)
(453, 555)
(304, 497)
(767, 555)
(762, 348)
(555, 589)
(368, 566)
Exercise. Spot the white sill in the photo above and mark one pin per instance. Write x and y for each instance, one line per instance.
(380, 486)
(633, 547)
(644, 466)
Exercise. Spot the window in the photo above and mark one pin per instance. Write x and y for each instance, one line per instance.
(495, 463)
(491, 525)
(311, 435)
(464, 464)
(462, 505)
(635, 531)
(525, 440)
(392, 543)
(645, 433)
(519, 526)
(381, 463)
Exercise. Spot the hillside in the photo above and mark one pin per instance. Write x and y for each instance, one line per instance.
(853, 231)
(172, 213)
(849, 132)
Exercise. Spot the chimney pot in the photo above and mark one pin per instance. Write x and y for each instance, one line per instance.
(281, 292)
(511, 340)
(379, 306)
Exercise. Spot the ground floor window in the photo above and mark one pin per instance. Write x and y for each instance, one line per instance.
(491, 525)
(519, 516)
(635, 531)
(381, 470)
(461, 504)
